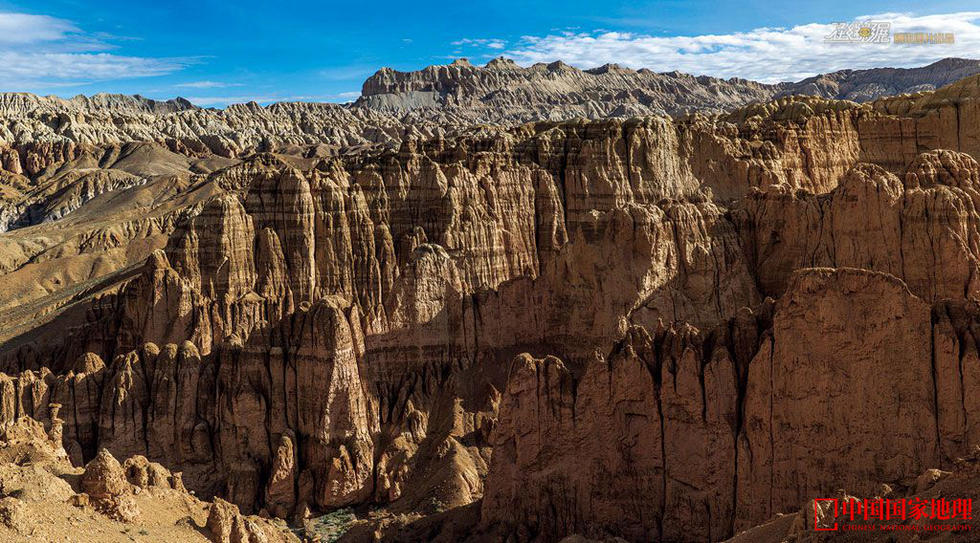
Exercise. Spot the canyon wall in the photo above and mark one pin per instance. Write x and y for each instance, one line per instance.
(652, 328)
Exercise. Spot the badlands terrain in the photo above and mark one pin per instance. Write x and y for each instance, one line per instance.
(490, 304)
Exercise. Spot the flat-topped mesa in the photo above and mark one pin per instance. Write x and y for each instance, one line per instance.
(505, 91)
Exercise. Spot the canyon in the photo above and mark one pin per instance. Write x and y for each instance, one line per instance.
(555, 312)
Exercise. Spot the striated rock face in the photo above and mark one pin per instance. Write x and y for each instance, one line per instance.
(659, 415)
(312, 388)
(866, 85)
(503, 91)
(838, 334)
(716, 431)
(924, 233)
(647, 328)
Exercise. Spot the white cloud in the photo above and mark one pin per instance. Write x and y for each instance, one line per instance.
(56, 67)
(22, 28)
(37, 51)
(764, 54)
(490, 43)
(207, 85)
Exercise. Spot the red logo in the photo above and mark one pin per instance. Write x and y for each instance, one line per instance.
(901, 514)
(816, 511)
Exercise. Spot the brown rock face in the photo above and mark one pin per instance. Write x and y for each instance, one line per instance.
(104, 477)
(502, 90)
(700, 440)
(105, 498)
(280, 491)
(924, 233)
(647, 328)
(649, 418)
(838, 334)
(313, 389)
(227, 525)
(104, 481)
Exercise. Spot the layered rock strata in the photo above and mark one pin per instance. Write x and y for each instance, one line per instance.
(298, 332)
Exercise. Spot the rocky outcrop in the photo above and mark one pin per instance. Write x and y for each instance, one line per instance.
(228, 525)
(502, 91)
(298, 332)
(104, 481)
(923, 231)
(931, 486)
(723, 430)
(43, 496)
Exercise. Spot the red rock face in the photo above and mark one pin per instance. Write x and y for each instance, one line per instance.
(847, 368)
(656, 329)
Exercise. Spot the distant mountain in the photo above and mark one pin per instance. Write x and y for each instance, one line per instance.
(866, 85)
(437, 100)
(502, 91)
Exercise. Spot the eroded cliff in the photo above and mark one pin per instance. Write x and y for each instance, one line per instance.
(652, 328)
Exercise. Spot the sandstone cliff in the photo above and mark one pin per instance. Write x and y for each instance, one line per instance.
(713, 432)
(651, 328)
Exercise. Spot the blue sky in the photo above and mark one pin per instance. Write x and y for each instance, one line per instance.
(221, 52)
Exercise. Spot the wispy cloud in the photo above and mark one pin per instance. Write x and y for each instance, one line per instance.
(207, 85)
(38, 51)
(489, 43)
(765, 54)
(23, 28)
(55, 68)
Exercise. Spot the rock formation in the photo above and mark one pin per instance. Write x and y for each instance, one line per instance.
(45, 497)
(502, 91)
(650, 328)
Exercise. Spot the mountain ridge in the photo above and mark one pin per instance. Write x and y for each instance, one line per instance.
(388, 80)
